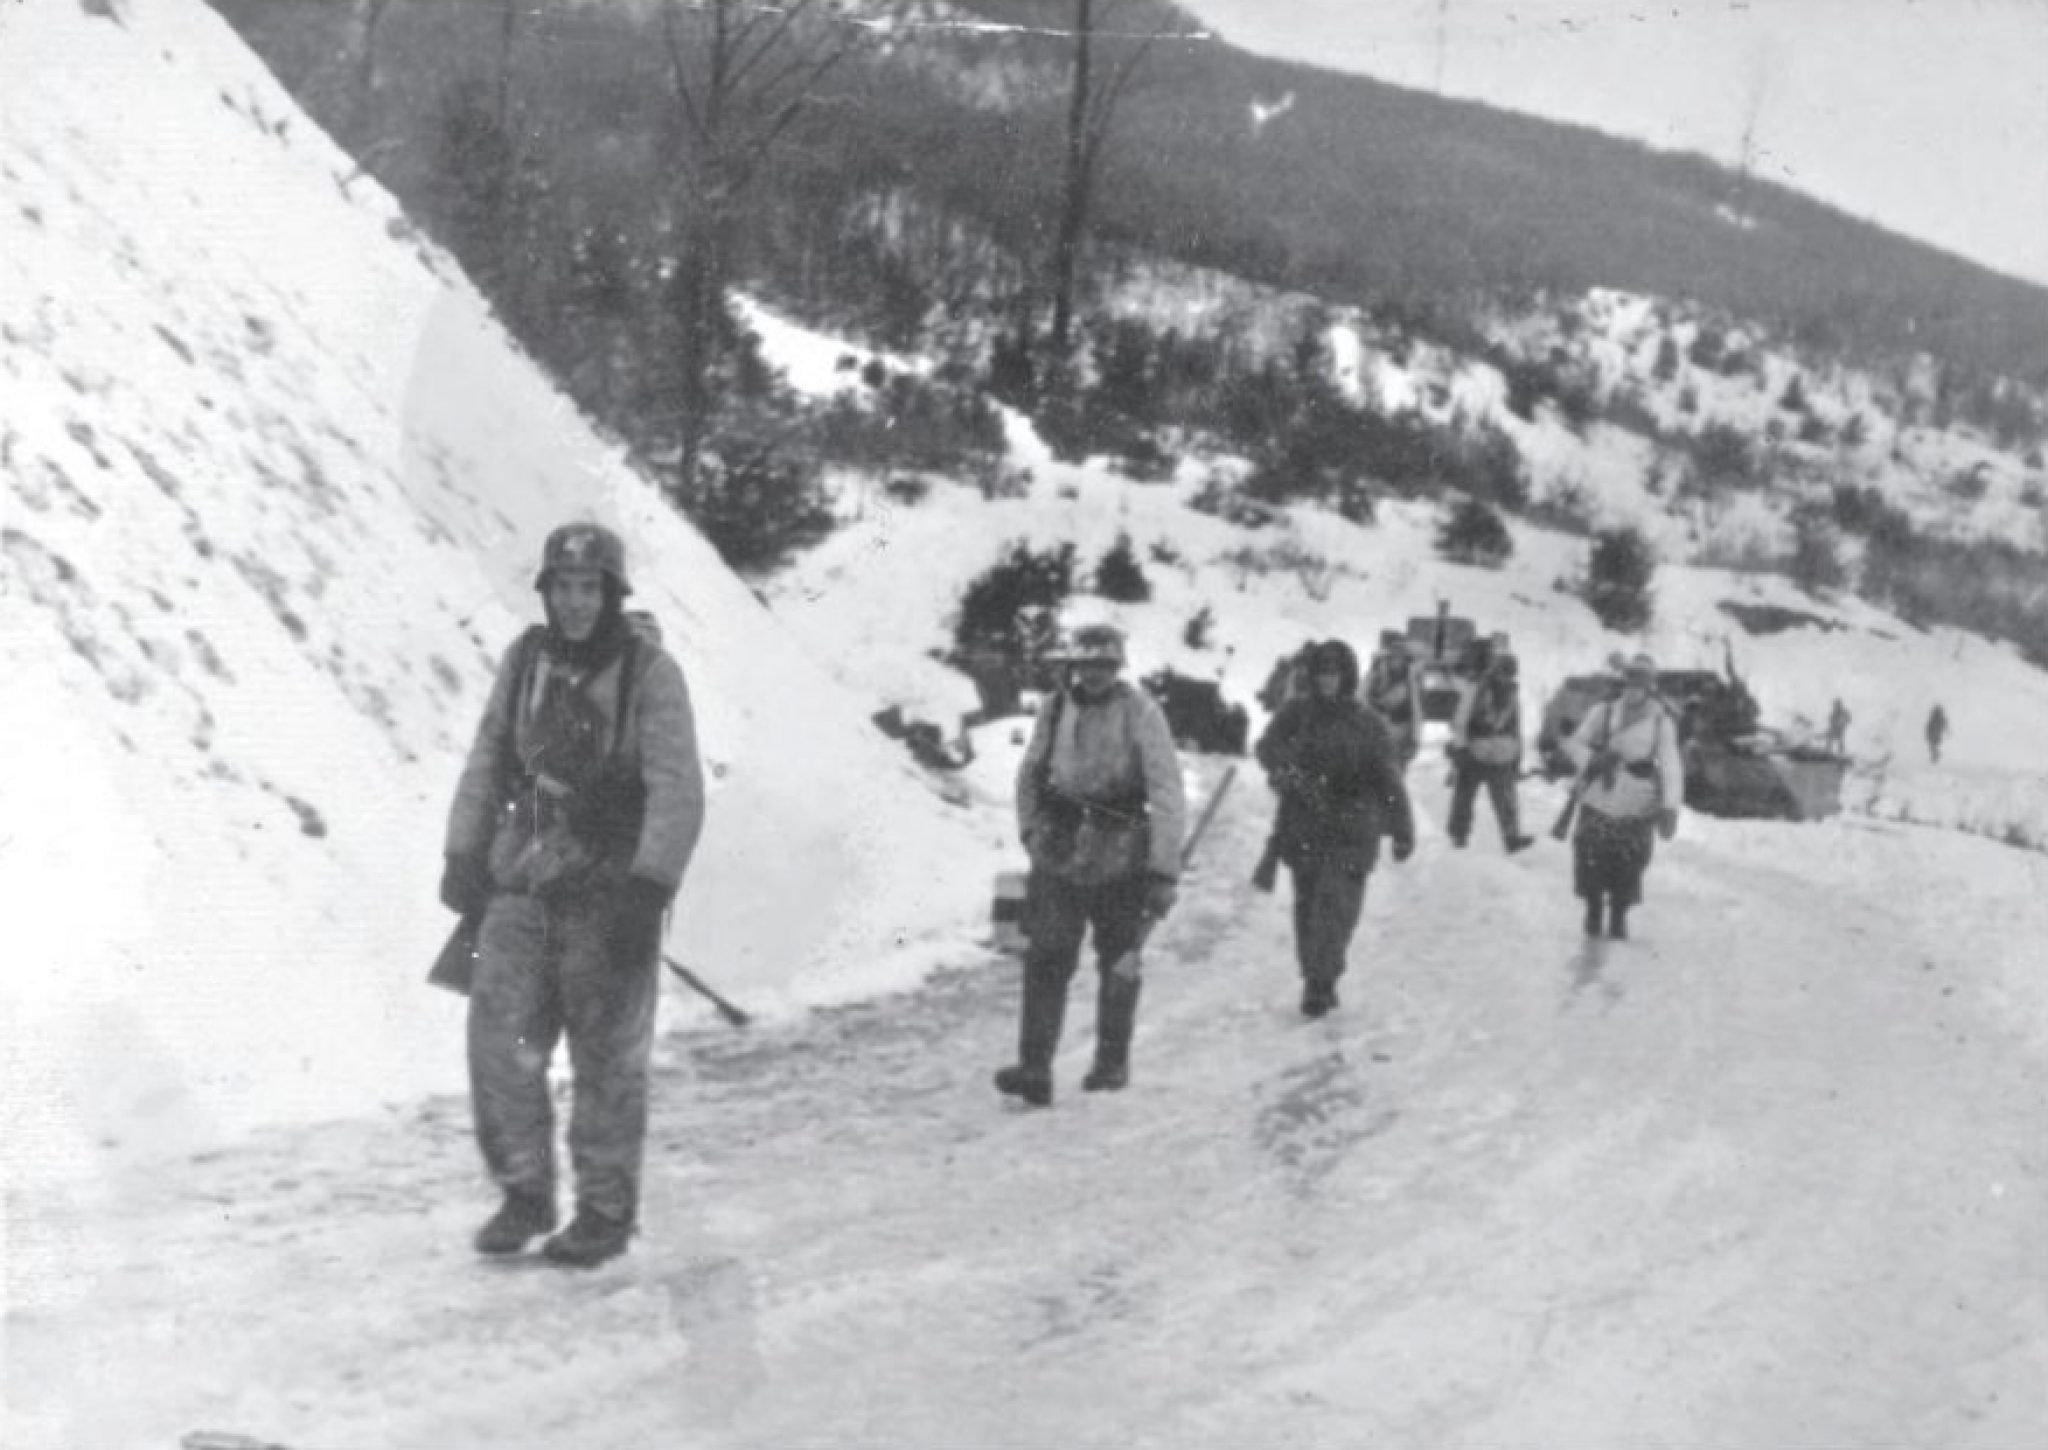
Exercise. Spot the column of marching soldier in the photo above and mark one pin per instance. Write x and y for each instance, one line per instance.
(582, 799)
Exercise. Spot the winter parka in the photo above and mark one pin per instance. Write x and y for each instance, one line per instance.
(1649, 768)
(1093, 767)
(650, 823)
(1338, 769)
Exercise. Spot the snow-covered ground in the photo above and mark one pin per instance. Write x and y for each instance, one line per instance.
(1771, 1174)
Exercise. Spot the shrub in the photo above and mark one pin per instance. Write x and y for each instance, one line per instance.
(1816, 565)
(1970, 485)
(1665, 369)
(1473, 533)
(1196, 634)
(907, 488)
(1620, 572)
(1119, 575)
(1722, 458)
(1010, 606)
(912, 422)
(755, 503)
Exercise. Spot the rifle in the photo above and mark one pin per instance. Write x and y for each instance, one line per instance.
(697, 984)
(456, 965)
(1131, 963)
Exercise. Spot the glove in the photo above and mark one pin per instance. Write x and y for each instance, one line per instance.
(1404, 847)
(636, 922)
(1160, 894)
(465, 884)
(1667, 824)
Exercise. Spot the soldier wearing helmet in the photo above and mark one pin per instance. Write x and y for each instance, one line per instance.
(1101, 810)
(573, 823)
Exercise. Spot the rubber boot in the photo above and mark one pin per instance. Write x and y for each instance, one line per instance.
(521, 1218)
(589, 1240)
(1038, 1038)
(1116, 1019)
(1593, 914)
(1019, 1081)
(1617, 922)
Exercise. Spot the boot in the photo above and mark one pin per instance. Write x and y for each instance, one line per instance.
(589, 1240)
(1116, 1020)
(1520, 843)
(520, 1218)
(1617, 922)
(1108, 1075)
(1593, 914)
(1030, 1084)
(1317, 998)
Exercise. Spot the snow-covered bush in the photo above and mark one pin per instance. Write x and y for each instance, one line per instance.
(1474, 533)
(1620, 572)
(756, 503)
(1119, 575)
(1009, 606)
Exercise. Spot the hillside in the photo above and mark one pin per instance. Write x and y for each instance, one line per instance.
(1359, 192)
(275, 488)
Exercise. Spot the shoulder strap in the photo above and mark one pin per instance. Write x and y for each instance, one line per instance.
(1052, 738)
(629, 676)
(524, 655)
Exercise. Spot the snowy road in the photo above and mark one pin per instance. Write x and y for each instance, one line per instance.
(1771, 1175)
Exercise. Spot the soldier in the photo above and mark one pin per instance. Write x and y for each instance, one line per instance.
(1394, 692)
(1937, 731)
(574, 820)
(1338, 772)
(1838, 727)
(1101, 810)
(1631, 781)
(1486, 748)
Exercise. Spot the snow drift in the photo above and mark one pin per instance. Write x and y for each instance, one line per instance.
(275, 485)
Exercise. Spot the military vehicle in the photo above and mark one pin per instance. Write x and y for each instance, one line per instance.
(1734, 766)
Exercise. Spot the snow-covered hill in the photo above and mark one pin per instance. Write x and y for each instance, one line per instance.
(274, 488)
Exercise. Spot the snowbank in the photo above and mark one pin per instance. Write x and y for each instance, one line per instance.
(276, 482)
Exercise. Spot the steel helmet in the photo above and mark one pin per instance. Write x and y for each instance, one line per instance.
(1097, 642)
(584, 546)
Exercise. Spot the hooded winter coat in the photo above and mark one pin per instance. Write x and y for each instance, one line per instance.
(1338, 769)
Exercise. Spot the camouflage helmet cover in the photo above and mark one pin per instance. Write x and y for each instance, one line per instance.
(1097, 642)
(584, 546)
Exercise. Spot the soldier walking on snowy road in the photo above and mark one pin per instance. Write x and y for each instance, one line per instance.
(1338, 771)
(1101, 810)
(1630, 783)
(1486, 748)
(572, 825)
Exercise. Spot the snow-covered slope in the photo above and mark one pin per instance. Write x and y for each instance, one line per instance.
(274, 487)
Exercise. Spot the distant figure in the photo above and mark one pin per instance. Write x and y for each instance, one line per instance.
(1937, 729)
(1838, 728)
(1486, 748)
(1393, 689)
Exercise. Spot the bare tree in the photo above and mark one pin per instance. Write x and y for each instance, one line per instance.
(1091, 108)
(742, 74)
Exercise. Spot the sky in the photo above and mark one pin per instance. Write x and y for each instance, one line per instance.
(1928, 118)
